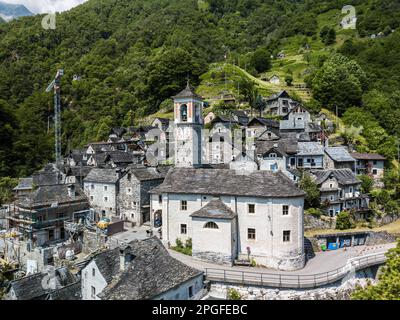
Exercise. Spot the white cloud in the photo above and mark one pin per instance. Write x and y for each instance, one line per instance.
(46, 6)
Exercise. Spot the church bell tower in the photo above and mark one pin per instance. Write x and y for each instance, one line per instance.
(188, 108)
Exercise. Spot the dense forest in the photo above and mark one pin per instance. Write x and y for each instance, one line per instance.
(132, 55)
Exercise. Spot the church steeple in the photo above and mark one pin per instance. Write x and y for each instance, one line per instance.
(188, 111)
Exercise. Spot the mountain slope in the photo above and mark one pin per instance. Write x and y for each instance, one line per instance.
(11, 11)
(132, 55)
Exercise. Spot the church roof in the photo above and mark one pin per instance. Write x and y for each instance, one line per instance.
(188, 92)
(228, 182)
(215, 209)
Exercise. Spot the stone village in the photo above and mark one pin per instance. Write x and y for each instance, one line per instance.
(102, 225)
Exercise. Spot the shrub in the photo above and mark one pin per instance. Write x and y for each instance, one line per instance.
(344, 221)
(314, 212)
(179, 243)
(233, 294)
(188, 243)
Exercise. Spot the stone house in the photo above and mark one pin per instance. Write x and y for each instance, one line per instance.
(338, 158)
(161, 123)
(209, 117)
(101, 186)
(371, 164)
(310, 155)
(40, 215)
(133, 197)
(24, 187)
(275, 79)
(257, 215)
(257, 126)
(340, 190)
(280, 104)
(140, 270)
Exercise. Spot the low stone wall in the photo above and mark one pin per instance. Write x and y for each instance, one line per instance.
(339, 291)
(292, 261)
(213, 257)
(387, 219)
(311, 222)
(382, 237)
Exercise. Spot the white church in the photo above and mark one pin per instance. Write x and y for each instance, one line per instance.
(228, 214)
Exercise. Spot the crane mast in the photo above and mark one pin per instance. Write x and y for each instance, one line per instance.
(56, 86)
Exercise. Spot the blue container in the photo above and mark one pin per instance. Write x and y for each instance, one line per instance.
(332, 246)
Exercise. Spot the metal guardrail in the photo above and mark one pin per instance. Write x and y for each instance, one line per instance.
(291, 281)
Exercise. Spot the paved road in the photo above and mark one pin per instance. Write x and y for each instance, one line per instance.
(322, 262)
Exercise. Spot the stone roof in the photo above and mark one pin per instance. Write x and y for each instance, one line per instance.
(343, 176)
(163, 120)
(49, 175)
(188, 92)
(284, 146)
(150, 173)
(70, 292)
(24, 184)
(310, 149)
(228, 182)
(281, 94)
(151, 272)
(292, 125)
(48, 195)
(30, 287)
(264, 122)
(339, 154)
(215, 209)
(102, 175)
(368, 156)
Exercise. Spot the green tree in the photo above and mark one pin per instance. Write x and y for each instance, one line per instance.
(388, 286)
(339, 83)
(7, 184)
(261, 60)
(344, 221)
(367, 183)
(289, 80)
(311, 189)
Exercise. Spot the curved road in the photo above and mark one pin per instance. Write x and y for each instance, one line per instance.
(322, 262)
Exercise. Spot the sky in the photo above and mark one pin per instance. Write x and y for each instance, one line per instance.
(46, 6)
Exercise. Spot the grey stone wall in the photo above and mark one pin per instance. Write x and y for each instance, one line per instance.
(311, 222)
(341, 290)
(213, 257)
(383, 237)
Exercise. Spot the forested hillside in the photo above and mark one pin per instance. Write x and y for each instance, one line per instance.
(132, 55)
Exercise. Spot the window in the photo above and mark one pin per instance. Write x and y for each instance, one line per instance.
(251, 208)
(105, 199)
(183, 229)
(351, 189)
(129, 176)
(160, 198)
(211, 225)
(91, 198)
(93, 272)
(251, 234)
(374, 172)
(51, 235)
(183, 205)
(331, 212)
(331, 185)
(332, 198)
(93, 292)
(105, 188)
(286, 236)
(129, 190)
(285, 210)
(190, 291)
(375, 162)
(92, 186)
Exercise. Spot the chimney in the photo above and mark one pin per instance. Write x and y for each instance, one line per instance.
(124, 257)
(71, 191)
